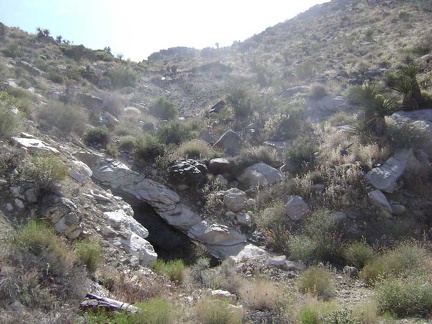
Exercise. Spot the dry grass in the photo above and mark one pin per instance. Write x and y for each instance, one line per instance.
(261, 294)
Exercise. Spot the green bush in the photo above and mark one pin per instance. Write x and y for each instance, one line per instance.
(89, 254)
(155, 311)
(212, 311)
(357, 254)
(148, 148)
(163, 109)
(122, 76)
(98, 136)
(301, 155)
(240, 101)
(174, 270)
(55, 77)
(407, 258)
(317, 91)
(46, 171)
(319, 241)
(66, 118)
(405, 297)
(174, 132)
(10, 122)
(316, 281)
(194, 149)
(127, 143)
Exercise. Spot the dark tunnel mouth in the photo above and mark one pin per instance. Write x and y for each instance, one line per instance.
(169, 243)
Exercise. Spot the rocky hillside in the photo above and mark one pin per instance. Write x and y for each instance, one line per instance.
(284, 179)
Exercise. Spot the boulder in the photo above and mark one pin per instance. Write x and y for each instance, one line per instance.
(260, 174)
(230, 142)
(189, 172)
(34, 71)
(220, 166)
(322, 108)
(89, 158)
(33, 145)
(222, 241)
(379, 200)
(243, 219)
(296, 208)
(294, 90)
(89, 101)
(235, 199)
(80, 172)
(141, 248)
(387, 177)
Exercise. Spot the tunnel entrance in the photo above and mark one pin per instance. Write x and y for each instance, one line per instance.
(168, 242)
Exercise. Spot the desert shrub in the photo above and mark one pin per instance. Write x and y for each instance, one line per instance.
(284, 125)
(122, 76)
(148, 148)
(265, 154)
(357, 254)
(46, 171)
(320, 239)
(306, 70)
(174, 132)
(276, 226)
(154, 311)
(340, 316)
(55, 77)
(44, 270)
(14, 50)
(66, 118)
(195, 149)
(407, 258)
(174, 269)
(163, 109)
(316, 281)
(196, 270)
(240, 101)
(213, 311)
(127, 143)
(222, 277)
(261, 295)
(317, 91)
(408, 136)
(9, 120)
(404, 297)
(301, 155)
(98, 136)
(89, 254)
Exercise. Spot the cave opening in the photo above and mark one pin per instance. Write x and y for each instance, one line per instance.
(168, 242)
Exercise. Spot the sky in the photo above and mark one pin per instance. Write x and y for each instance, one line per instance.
(138, 28)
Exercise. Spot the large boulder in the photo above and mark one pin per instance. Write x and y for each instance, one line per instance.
(230, 142)
(123, 222)
(322, 108)
(80, 171)
(379, 200)
(260, 174)
(388, 177)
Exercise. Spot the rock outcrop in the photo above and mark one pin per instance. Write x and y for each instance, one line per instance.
(220, 240)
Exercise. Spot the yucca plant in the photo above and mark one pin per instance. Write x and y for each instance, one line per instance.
(375, 107)
(404, 81)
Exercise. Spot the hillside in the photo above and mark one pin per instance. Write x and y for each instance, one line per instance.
(283, 179)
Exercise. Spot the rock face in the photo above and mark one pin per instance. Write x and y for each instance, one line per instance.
(219, 240)
(260, 174)
(64, 215)
(230, 142)
(387, 177)
(80, 171)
